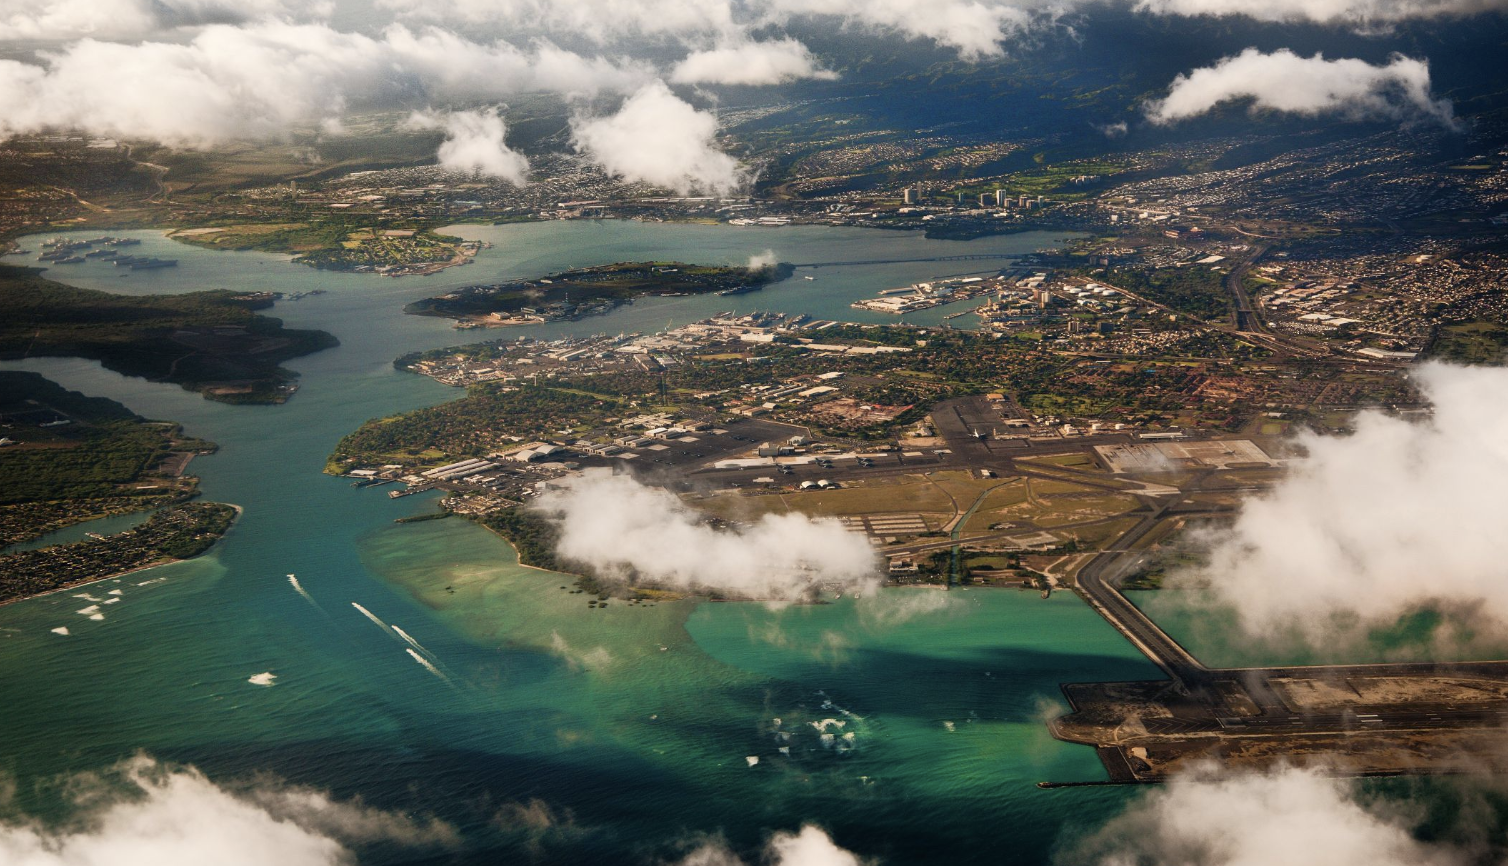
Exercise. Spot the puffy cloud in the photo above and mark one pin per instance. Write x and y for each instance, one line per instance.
(259, 80)
(974, 27)
(74, 19)
(750, 63)
(180, 818)
(1284, 81)
(658, 138)
(623, 528)
(475, 142)
(810, 847)
(1361, 12)
(1398, 516)
(1292, 816)
(601, 21)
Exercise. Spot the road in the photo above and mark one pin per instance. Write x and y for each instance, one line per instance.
(1127, 618)
(1246, 319)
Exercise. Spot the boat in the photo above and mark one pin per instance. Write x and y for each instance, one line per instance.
(146, 264)
(740, 290)
(124, 261)
(71, 260)
(127, 242)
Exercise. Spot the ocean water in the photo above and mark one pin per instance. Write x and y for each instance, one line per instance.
(468, 687)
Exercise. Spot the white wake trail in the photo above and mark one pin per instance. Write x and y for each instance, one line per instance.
(411, 642)
(428, 665)
(373, 617)
(299, 588)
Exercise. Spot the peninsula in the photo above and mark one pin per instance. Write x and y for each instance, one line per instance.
(585, 291)
(213, 342)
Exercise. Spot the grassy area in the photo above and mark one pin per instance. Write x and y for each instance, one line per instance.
(1195, 290)
(75, 458)
(332, 243)
(1479, 342)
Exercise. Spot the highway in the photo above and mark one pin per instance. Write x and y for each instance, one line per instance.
(982, 257)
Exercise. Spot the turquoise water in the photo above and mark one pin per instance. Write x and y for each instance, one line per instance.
(1213, 632)
(111, 525)
(633, 749)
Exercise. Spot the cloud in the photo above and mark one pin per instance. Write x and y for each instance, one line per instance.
(975, 28)
(115, 19)
(809, 847)
(622, 528)
(144, 813)
(760, 261)
(658, 138)
(1360, 12)
(601, 21)
(1293, 816)
(260, 80)
(475, 142)
(750, 63)
(1396, 517)
(1311, 86)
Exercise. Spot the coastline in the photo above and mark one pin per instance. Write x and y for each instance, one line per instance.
(140, 568)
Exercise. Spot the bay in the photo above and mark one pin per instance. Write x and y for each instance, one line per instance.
(530, 703)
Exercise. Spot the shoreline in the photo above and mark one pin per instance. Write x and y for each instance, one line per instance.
(140, 568)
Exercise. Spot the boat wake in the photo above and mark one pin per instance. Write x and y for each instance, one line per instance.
(428, 665)
(373, 617)
(411, 642)
(299, 588)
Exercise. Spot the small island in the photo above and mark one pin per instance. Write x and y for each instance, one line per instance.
(588, 291)
(337, 245)
(213, 342)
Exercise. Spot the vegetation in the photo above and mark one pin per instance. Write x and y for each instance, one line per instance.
(181, 532)
(75, 458)
(470, 427)
(609, 284)
(1197, 291)
(530, 533)
(1479, 342)
(213, 342)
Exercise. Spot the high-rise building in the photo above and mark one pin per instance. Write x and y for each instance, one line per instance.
(984, 199)
(909, 195)
(1002, 198)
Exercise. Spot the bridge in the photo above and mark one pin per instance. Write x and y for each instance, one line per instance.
(972, 258)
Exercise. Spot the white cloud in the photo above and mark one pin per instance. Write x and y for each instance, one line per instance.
(1397, 516)
(658, 138)
(260, 80)
(180, 818)
(475, 141)
(976, 28)
(1284, 81)
(622, 528)
(113, 19)
(810, 847)
(750, 63)
(1294, 817)
(601, 21)
(1359, 12)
